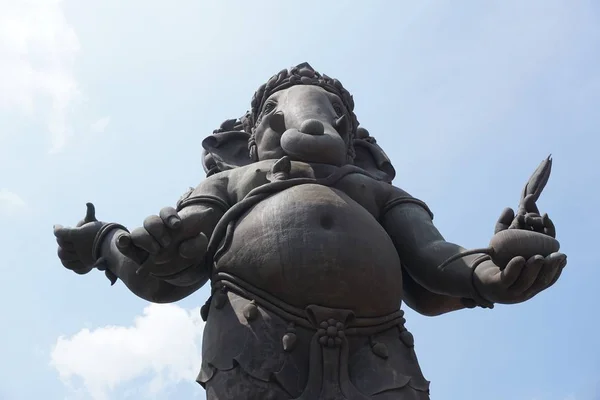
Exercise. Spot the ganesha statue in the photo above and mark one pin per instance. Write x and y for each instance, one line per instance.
(311, 253)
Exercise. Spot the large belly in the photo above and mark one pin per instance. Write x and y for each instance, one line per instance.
(312, 244)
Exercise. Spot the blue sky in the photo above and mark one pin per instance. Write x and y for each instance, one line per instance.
(108, 101)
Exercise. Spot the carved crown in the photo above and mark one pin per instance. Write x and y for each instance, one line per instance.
(301, 74)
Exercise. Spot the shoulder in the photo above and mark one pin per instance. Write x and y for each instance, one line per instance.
(213, 189)
(363, 188)
(238, 182)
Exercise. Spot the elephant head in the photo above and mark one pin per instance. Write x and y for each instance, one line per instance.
(299, 113)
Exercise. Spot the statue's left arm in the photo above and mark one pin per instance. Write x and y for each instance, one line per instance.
(440, 278)
(422, 248)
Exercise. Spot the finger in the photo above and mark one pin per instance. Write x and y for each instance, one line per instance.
(155, 226)
(518, 222)
(529, 204)
(142, 239)
(81, 270)
(563, 265)
(553, 264)
(534, 221)
(549, 228)
(126, 247)
(505, 220)
(552, 282)
(170, 217)
(65, 244)
(195, 248)
(529, 274)
(76, 266)
(65, 255)
(62, 232)
(513, 270)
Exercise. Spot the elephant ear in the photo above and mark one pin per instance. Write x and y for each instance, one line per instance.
(370, 157)
(224, 151)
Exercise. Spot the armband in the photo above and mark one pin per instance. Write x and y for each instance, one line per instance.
(99, 261)
(404, 200)
(479, 300)
(206, 200)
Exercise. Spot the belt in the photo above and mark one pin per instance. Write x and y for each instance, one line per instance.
(310, 317)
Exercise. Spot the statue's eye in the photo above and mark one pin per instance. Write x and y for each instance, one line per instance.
(269, 106)
(339, 110)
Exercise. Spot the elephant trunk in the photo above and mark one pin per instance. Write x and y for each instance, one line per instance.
(315, 141)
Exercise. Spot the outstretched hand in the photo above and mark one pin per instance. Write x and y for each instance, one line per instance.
(520, 280)
(75, 245)
(167, 243)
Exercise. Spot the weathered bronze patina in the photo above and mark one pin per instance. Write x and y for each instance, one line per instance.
(310, 251)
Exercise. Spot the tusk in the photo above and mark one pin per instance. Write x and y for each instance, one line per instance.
(341, 122)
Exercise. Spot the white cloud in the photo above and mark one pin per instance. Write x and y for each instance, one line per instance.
(37, 54)
(100, 125)
(164, 344)
(10, 202)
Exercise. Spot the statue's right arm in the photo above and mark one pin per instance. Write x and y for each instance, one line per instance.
(199, 211)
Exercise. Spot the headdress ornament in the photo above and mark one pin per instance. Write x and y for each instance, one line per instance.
(301, 74)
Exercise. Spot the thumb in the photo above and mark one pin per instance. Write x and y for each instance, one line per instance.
(505, 220)
(90, 215)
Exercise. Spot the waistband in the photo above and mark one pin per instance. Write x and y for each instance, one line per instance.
(309, 317)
